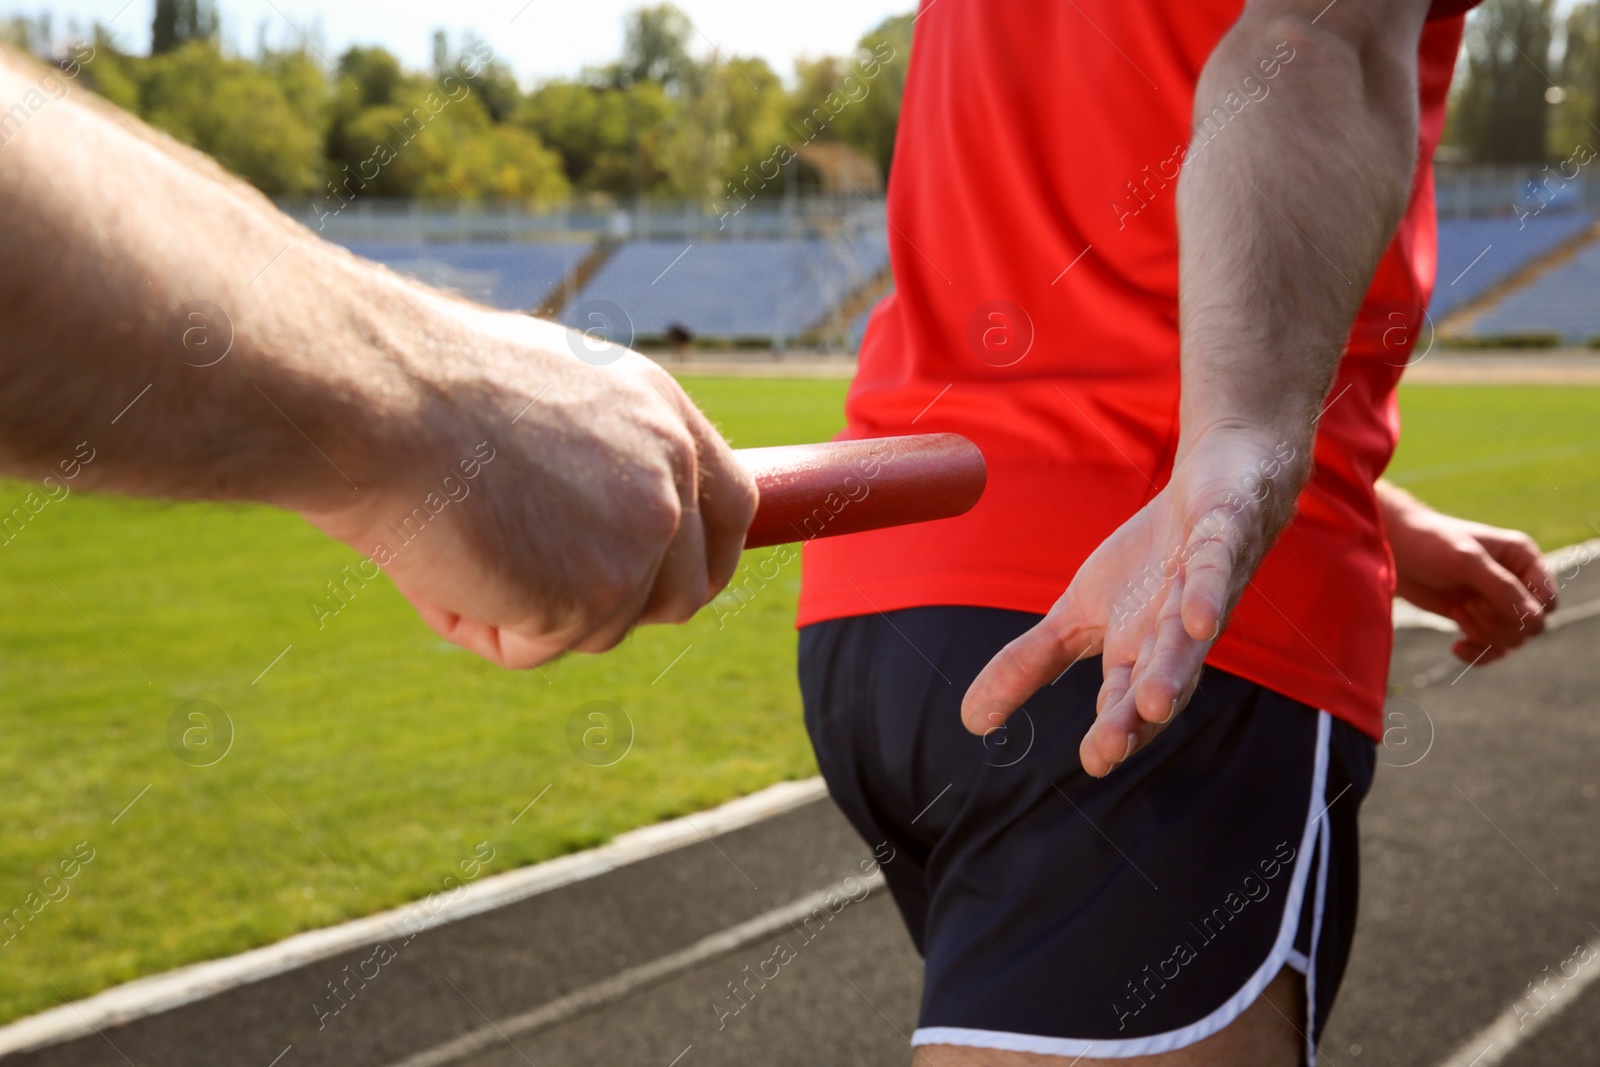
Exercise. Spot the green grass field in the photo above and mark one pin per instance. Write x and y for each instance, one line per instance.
(372, 758)
(1521, 456)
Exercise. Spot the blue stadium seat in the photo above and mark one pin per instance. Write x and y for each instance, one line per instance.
(1561, 301)
(515, 277)
(1476, 254)
(757, 289)
(858, 328)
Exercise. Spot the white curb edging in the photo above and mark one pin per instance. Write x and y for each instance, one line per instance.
(162, 992)
(1408, 616)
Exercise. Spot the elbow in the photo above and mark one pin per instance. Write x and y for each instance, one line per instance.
(1352, 76)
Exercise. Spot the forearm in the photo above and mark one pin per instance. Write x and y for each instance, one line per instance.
(109, 230)
(1285, 210)
(1394, 502)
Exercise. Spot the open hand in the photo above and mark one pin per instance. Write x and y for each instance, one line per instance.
(1154, 597)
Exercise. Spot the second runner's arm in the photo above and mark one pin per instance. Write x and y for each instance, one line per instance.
(1283, 214)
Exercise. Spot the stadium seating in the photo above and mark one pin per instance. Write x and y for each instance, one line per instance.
(516, 277)
(858, 328)
(770, 289)
(1561, 301)
(1505, 245)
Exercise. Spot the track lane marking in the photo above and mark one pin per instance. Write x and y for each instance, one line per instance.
(1495, 1043)
(172, 989)
(610, 990)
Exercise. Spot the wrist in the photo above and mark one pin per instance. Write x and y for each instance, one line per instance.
(350, 390)
(1242, 478)
(1239, 449)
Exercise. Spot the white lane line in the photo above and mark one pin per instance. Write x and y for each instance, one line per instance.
(1577, 614)
(1564, 563)
(1496, 1042)
(162, 992)
(613, 989)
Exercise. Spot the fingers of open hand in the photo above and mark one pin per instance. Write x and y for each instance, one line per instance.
(1027, 664)
(1207, 579)
(1140, 696)
(1163, 681)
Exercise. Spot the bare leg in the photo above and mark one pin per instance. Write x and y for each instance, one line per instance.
(1268, 1034)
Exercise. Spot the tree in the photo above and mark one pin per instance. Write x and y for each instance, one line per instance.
(490, 79)
(1577, 117)
(397, 134)
(1500, 112)
(28, 34)
(374, 73)
(177, 21)
(610, 139)
(752, 115)
(656, 47)
(871, 124)
(855, 99)
(233, 110)
(655, 123)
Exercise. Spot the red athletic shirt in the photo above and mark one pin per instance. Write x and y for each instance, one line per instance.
(1036, 165)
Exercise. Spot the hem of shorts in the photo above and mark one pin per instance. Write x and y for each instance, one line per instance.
(1324, 849)
(1231, 1009)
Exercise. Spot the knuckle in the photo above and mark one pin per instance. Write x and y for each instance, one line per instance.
(658, 512)
(743, 493)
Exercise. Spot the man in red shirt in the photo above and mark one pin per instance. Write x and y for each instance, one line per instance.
(1164, 263)
(1197, 904)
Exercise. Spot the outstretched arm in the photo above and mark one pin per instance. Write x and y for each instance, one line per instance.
(315, 381)
(1283, 216)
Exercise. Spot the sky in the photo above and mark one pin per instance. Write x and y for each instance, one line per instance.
(538, 38)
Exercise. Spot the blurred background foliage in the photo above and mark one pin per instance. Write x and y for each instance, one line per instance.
(661, 122)
(1527, 86)
(658, 122)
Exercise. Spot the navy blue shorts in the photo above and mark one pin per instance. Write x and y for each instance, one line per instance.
(1062, 914)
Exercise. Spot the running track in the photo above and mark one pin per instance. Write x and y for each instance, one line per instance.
(1482, 870)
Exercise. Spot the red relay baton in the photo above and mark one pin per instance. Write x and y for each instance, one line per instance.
(840, 487)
